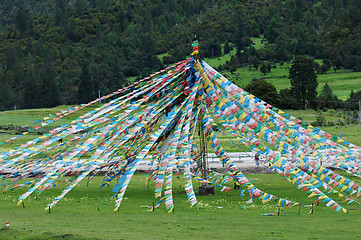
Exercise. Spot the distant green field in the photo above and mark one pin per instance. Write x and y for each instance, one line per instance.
(350, 132)
(24, 117)
(341, 82)
(87, 213)
(230, 144)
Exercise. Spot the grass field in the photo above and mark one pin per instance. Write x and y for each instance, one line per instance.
(87, 213)
(25, 117)
(350, 132)
(341, 81)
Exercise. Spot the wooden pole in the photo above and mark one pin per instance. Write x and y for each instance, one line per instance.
(312, 209)
(49, 209)
(23, 204)
(299, 209)
(153, 207)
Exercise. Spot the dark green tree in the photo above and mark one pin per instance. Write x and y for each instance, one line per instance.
(253, 61)
(7, 96)
(324, 68)
(214, 48)
(271, 32)
(24, 21)
(353, 102)
(79, 6)
(148, 17)
(31, 89)
(61, 13)
(101, 4)
(288, 100)
(265, 91)
(326, 98)
(240, 32)
(263, 68)
(227, 48)
(255, 29)
(86, 87)
(93, 3)
(121, 18)
(304, 81)
(49, 88)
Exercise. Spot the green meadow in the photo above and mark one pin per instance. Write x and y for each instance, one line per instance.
(230, 144)
(341, 82)
(87, 213)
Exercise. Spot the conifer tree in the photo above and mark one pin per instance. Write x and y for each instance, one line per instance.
(304, 81)
(86, 86)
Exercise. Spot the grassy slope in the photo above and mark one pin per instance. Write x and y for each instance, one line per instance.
(341, 82)
(78, 214)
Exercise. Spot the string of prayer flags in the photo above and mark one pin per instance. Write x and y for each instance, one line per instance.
(156, 120)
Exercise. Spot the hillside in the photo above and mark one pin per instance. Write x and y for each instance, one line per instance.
(67, 52)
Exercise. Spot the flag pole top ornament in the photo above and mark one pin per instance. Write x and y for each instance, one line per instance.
(195, 46)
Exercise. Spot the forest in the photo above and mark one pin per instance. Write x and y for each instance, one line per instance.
(56, 52)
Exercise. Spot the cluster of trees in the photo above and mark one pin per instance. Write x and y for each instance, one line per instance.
(303, 93)
(64, 51)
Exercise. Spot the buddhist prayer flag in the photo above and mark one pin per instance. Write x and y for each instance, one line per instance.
(157, 118)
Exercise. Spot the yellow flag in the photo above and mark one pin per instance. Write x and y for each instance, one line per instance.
(342, 180)
(312, 194)
(343, 188)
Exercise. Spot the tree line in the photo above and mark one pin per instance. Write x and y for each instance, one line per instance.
(65, 51)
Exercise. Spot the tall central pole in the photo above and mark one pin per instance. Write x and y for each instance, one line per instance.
(203, 149)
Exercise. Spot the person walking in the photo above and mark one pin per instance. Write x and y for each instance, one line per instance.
(256, 159)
